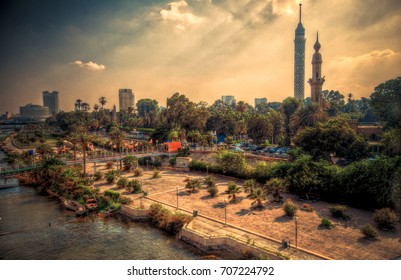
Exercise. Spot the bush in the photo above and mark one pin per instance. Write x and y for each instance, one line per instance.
(213, 190)
(369, 231)
(138, 172)
(193, 185)
(385, 218)
(326, 223)
(110, 165)
(172, 161)
(210, 181)
(172, 222)
(156, 175)
(113, 195)
(338, 212)
(112, 175)
(134, 186)
(129, 162)
(307, 207)
(98, 175)
(125, 200)
(122, 182)
(290, 208)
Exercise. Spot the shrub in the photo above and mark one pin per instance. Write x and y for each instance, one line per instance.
(213, 190)
(210, 181)
(156, 174)
(369, 231)
(138, 172)
(110, 165)
(125, 200)
(122, 182)
(172, 222)
(326, 223)
(172, 161)
(98, 175)
(112, 175)
(113, 195)
(158, 214)
(193, 184)
(183, 152)
(385, 218)
(290, 208)
(129, 162)
(134, 186)
(338, 212)
(176, 221)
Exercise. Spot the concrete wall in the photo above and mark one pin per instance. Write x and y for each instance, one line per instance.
(135, 214)
(224, 242)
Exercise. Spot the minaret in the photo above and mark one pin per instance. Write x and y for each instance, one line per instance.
(299, 60)
(316, 81)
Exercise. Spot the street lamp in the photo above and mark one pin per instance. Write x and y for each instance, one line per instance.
(225, 212)
(177, 195)
(296, 231)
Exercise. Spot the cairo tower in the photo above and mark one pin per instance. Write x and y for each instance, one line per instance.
(299, 60)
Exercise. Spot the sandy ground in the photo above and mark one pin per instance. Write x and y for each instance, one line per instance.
(344, 241)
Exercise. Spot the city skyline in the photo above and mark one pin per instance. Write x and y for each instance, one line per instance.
(201, 48)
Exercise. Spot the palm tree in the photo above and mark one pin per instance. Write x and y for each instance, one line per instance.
(96, 107)
(249, 187)
(307, 116)
(118, 135)
(103, 101)
(82, 136)
(85, 106)
(193, 184)
(78, 104)
(232, 190)
(259, 195)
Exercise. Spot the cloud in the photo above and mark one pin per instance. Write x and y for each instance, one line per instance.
(89, 65)
(178, 13)
(368, 57)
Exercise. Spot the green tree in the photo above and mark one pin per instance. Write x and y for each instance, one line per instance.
(391, 140)
(148, 110)
(307, 116)
(232, 190)
(386, 101)
(259, 196)
(289, 106)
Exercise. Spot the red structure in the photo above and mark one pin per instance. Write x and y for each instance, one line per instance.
(172, 147)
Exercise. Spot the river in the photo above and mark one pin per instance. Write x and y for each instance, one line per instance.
(35, 227)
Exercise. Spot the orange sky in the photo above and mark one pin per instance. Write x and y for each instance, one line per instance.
(200, 48)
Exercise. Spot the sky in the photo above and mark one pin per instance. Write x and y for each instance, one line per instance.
(201, 48)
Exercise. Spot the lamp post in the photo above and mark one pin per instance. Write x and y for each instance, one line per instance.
(225, 212)
(296, 231)
(177, 195)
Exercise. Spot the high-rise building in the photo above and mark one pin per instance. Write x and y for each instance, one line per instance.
(126, 98)
(229, 100)
(50, 100)
(299, 59)
(260, 100)
(316, 82)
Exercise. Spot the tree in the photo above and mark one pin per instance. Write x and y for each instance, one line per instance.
(307, 116)
(193, 184)
(391, 140)
(233, 163)
(289, 106)
(335, 100)
(148, 110)
(332, 137)
(250, 187)
(78, 104)
(386, 101)
(259, 196)
(102, 101)
(232, 191)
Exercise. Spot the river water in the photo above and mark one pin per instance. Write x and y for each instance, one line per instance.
(25, 233)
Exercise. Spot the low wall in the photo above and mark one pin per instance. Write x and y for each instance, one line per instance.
(134, 214)
(225, 242)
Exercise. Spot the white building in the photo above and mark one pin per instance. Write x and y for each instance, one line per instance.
(260, 100)
(34, 112)
(229, 100)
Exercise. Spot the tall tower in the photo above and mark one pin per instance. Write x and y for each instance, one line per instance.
(50, 100)
(299, 60)
(126, 99)
(316, 81)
